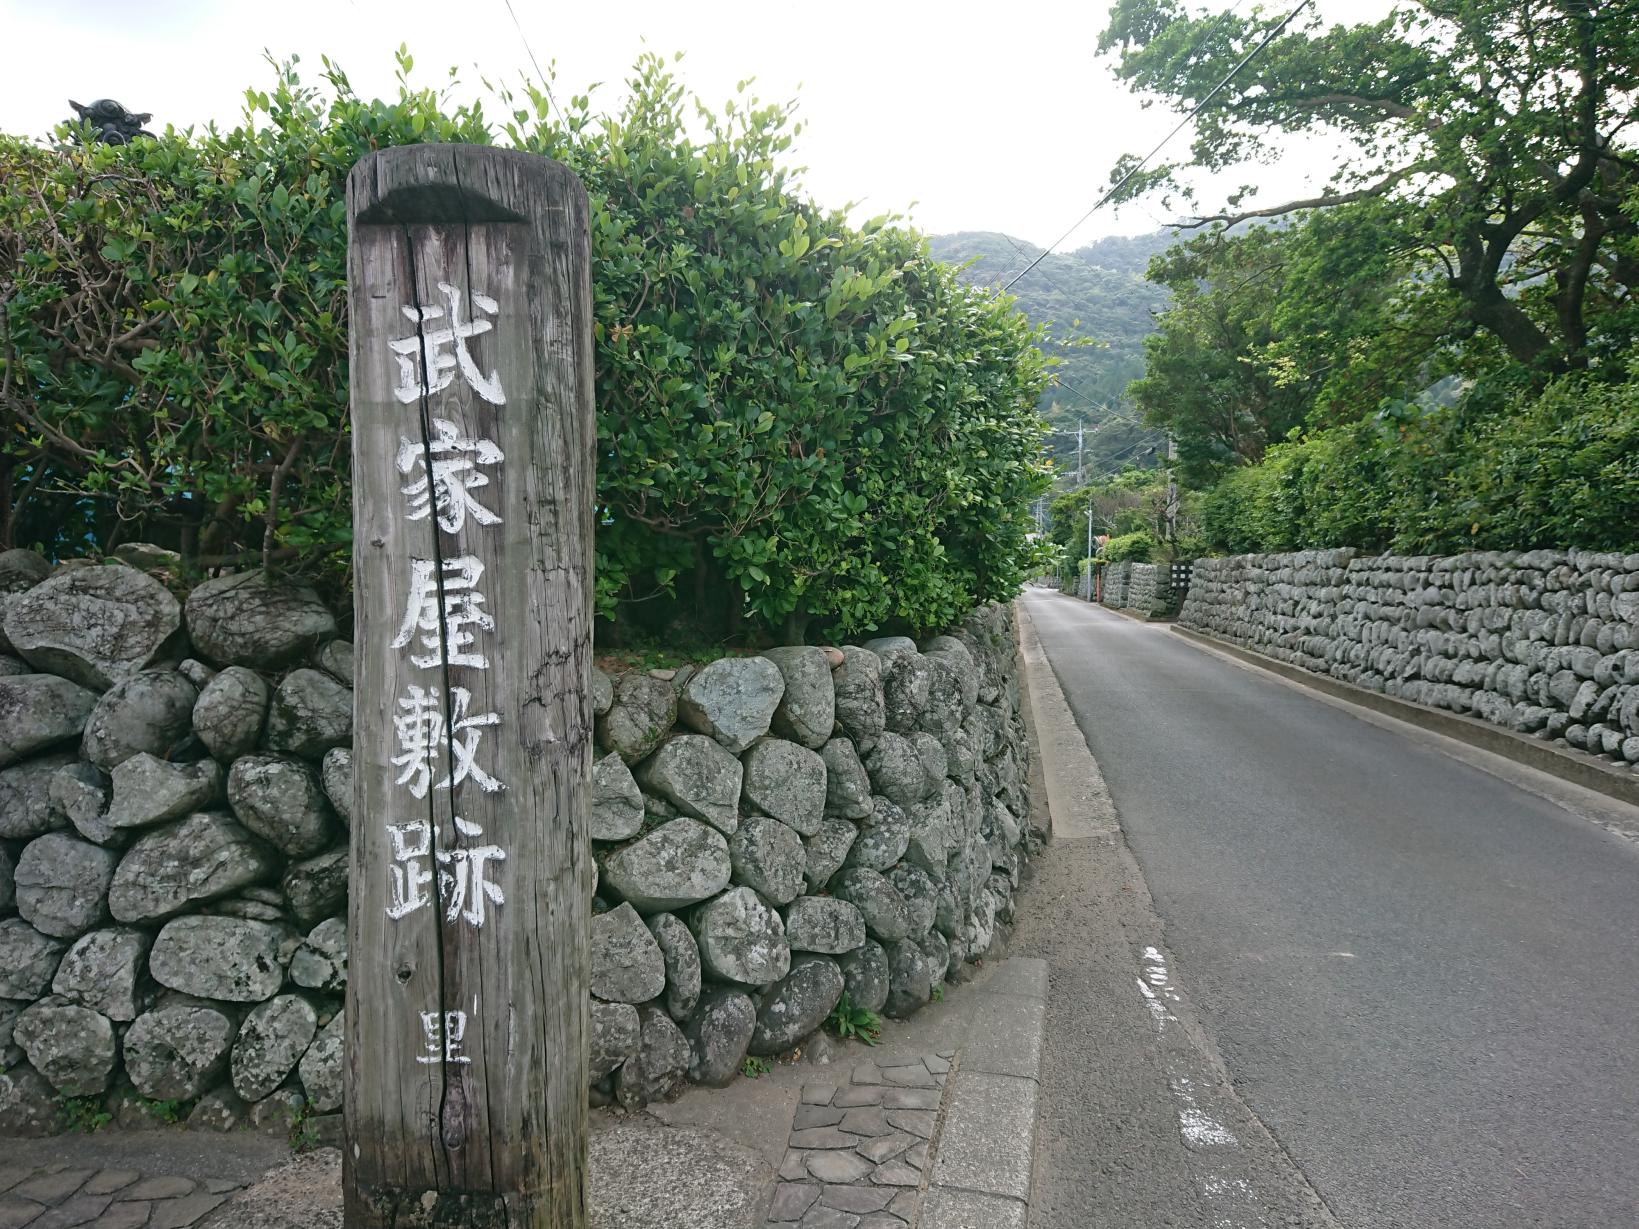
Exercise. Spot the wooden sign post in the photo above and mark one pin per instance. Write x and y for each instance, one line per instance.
(470, 296)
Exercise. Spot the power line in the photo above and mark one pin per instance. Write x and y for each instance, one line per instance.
(1194, 111)
(545, 84)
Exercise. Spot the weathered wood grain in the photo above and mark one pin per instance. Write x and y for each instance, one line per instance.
(488, 1129)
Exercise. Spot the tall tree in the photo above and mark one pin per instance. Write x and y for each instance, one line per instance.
(1500, 131)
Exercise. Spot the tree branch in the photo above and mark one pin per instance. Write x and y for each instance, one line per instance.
(1314, 202)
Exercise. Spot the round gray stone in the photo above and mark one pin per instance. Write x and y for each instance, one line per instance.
(320, 963)
(808, 709)
(104, 971)
(249, 619)
(72, 1046)
(732, 700)
(28, 960)
(882, 838)
(719, 1032)
(769, 857)
(910, 979)
(826, 851)
(614, 1037)
(860, 705)
(879, 902)
(151, 711)
(62, 884)
(177, 1050)
(679, 863)
(603, 692)
(280, 800)
(617, 803)
(323, 1066)
(310, 714)
(682, 956)
(29, 1106)
(80, 792)
(823, 924)
(627, 964)
(231, 712)
(271, 1042)
(865, 975)
(25, 796)
(317, 886)
(921, 895)
(39, 711)
(640, 713)
(96, 625)
(336, 658)
(896, 769)
(336, 777)
(147, 790)
(741, 938)
(698, 777)
(229, 958)
(797, 1004)
(788, 781)
(847, 785)
(197, 859)
(658, 1067)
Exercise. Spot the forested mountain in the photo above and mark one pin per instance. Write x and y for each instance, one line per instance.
(1095, 296)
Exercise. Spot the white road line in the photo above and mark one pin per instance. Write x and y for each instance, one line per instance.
(1231, 1201)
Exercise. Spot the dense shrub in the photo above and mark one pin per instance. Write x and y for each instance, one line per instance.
(1559, 468)
(797, 420)
(1139, 547)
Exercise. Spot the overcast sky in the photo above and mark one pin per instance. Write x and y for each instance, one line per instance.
(969, 116)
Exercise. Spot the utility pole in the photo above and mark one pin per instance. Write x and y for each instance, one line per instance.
(1088, 566)
(1172, 490)
(1081, 430)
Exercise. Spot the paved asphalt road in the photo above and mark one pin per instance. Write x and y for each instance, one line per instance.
(1423, 980)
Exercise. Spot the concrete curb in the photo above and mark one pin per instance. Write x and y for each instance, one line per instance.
(1567, 765)
(983, 1168)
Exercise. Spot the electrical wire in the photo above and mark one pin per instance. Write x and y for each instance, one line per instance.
(546, 85)
(1144, 161)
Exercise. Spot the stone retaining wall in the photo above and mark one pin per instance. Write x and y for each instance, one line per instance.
(175, 793)
(1540, 642)
(1132, 586)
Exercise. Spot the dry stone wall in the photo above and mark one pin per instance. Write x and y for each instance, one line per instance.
(1540, 642)
(1132, 586)
(769, 833)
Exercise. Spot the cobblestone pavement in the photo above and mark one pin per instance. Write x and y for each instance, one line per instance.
(858, 1152)
(61, 1196)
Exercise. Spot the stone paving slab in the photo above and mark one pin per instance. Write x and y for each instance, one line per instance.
(858, 1153)
(62, 1196)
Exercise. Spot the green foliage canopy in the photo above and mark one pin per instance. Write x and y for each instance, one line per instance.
(1498, 130)
(1558, 469)
(797, 420)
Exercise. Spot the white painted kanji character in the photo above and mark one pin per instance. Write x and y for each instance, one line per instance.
(448, 489)
(462, 608)
(463, 883)
(411, 872)
(429, 358)
(444, 1032)
(424, 731)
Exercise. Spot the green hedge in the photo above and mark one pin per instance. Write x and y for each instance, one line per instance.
(797, 419)
(1559, 468)
(1139, 547)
